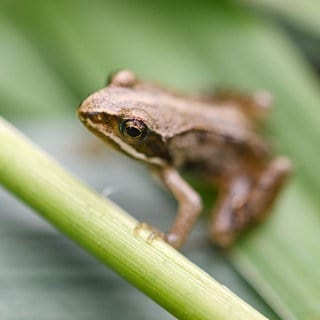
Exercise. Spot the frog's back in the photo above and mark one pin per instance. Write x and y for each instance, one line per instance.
(255, 106)
(232, 109)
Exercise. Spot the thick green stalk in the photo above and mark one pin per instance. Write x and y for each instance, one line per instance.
(111, 235)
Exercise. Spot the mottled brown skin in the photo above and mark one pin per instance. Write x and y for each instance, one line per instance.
(214, 137)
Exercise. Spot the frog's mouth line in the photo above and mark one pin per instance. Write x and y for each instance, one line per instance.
(122, 146)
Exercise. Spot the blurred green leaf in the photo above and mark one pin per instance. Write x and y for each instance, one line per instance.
(28, 87)
(66, 49)
(301, 14)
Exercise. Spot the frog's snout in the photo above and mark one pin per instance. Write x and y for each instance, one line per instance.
(84, 116)
(87, 110)
(83, 113)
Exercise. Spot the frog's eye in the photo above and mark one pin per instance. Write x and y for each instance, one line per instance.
(134, 129)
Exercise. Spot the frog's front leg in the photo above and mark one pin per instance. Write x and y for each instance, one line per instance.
(189, 206)
(246, 200)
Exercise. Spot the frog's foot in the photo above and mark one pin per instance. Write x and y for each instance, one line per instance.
(174, 240)
(139, 227)
(153, 233)
(247, 201)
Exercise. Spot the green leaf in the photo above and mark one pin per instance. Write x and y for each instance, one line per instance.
(28, 86)
(301, 14)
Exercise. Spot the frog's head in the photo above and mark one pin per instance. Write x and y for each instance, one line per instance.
(127, 115)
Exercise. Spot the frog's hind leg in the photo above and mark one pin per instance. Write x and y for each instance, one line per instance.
(246, 200)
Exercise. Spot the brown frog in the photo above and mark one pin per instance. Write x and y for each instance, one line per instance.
(213, 137)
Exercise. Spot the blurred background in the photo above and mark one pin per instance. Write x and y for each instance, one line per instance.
(55, 53)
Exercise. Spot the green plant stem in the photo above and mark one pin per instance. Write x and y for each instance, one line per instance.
(111, 235)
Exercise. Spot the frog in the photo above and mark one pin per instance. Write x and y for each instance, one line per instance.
(214, 137)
